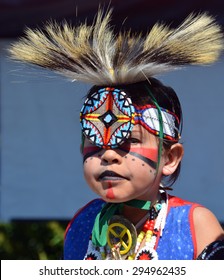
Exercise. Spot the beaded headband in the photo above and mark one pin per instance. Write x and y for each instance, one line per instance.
(108, 116)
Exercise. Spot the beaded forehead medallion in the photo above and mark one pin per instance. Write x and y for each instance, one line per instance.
(108, 117)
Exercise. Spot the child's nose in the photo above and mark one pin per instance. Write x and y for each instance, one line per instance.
(111, 156)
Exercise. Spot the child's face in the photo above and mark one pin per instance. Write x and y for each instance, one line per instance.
(126, 173)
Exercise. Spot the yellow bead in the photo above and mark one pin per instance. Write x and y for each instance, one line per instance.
(148, 237)
(149, 232)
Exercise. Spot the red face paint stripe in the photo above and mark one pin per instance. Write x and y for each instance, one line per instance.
(110, 193)
(146, 152)
(150, 162)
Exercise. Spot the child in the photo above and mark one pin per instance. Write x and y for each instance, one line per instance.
(131, 126)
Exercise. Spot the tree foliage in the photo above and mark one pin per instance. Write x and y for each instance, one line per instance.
(32, 240)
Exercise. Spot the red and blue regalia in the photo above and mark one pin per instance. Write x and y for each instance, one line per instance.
(177, 241)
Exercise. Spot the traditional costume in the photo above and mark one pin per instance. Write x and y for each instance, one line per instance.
(113, 63)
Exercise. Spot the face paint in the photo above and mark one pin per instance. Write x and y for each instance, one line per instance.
(148, 155)
(90, 151)
(110, 193)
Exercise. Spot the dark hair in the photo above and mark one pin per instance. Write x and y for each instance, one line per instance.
(147, 92)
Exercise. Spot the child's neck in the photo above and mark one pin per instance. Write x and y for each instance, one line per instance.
(134, 215)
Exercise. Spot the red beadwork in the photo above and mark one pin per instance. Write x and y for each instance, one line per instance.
(145, 255)
(149, 225)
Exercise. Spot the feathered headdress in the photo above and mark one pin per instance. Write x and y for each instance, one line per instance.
(96, 55)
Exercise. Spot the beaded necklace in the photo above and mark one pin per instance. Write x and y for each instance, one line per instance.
(151, 230)
(131, 248)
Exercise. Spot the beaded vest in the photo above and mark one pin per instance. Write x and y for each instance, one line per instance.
(176, 243)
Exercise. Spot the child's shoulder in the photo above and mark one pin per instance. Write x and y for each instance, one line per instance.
(87, 212)
(79, 229)
(175, 201)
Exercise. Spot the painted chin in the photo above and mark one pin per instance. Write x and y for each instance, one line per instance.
(109, 184)
(110, 192)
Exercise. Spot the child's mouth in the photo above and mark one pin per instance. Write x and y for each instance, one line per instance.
(110, 175)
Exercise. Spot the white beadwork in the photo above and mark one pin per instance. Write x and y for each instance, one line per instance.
(159, 225)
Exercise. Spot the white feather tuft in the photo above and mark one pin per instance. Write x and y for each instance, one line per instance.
(95, 54)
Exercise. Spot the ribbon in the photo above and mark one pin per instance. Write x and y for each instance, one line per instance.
(99, 232)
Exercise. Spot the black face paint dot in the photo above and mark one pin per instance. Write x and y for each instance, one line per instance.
(143, 164)
(133, 159)
(125, 157)
(91, 158)
(86, 161)
(150, 170)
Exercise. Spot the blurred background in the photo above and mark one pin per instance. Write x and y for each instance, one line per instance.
(41, 180)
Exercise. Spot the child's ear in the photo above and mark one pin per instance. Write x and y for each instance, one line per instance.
(172, 158)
